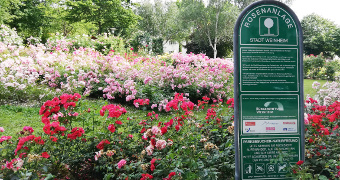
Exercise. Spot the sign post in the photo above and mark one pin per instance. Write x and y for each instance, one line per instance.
(268, 91)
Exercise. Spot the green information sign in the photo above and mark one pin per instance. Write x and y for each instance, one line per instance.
(269, 135)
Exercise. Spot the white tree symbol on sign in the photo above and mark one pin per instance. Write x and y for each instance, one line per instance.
(269, 24)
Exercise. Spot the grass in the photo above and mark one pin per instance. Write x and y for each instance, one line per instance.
(14, 117)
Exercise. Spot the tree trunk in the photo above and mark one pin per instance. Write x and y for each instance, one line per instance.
(215, 51)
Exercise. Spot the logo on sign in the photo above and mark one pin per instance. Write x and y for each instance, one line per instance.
(250, 124)
(249, 130)
(289, 129)
(270, 128)
(269, 26)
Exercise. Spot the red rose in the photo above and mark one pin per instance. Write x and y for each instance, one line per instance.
(45, 155)
(299, 162)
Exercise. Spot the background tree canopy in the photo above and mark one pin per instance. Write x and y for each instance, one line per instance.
(319, 35)
(202, 26)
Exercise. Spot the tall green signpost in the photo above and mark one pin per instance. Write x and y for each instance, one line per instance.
(268, 75)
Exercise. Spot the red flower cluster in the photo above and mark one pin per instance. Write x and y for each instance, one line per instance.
(140, 102)
(170, 176)
(174, 103)
(22, 141)
(152, 167)
(146, 177)
(310, 100)
(211, 114)
(112, 128)
(54, 128)
(53, 106)
(114, 110)
(45, 155)
(76, 132)
(231, 102)
(205, 101)
(102, 143)
(335, 110)
(299, 163)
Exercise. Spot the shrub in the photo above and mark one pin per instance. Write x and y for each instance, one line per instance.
(312, 66)
(9, 36)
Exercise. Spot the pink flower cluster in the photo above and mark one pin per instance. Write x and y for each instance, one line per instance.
(121, 163)
(86, 68)
(29, 129)
(5, 138)
(14, 164)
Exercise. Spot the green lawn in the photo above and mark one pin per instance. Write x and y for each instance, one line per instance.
(14, 117)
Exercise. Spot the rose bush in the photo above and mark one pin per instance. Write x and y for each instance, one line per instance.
(40, 72)
(113, 144)
(322, 120)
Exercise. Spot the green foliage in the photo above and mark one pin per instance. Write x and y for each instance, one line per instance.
(106, 14)
(318, 35)
(336, 41)
(7, 9)
(104, 43)
(312, 66)
(29, 94)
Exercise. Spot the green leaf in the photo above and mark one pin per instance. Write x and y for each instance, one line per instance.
(322, 177)
(49, 177)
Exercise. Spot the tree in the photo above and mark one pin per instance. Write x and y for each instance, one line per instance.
(318, 35)
(106, 14)
(161, 21)
(241, 4)
(30, 19)
(213, 22)
(7, 10)
(336, 41)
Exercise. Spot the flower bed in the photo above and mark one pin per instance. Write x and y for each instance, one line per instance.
(113, 144)
(34, 73)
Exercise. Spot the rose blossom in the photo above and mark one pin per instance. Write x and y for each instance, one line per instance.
(2, 129)
(149, 149)
(121, 163)
(160, 144)
(156, 131)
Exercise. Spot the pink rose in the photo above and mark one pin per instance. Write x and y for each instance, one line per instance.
(160, 144)
(121, 163)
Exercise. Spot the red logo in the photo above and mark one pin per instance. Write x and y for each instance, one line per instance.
(250, 123)
(270, 128)
(288, 122)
